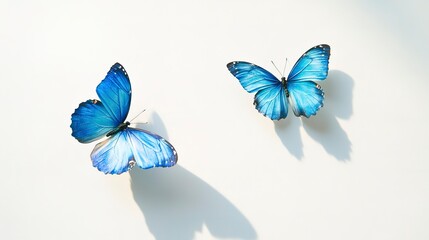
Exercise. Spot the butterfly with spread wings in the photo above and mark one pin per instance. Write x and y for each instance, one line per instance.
(297, 90)
(124, 146)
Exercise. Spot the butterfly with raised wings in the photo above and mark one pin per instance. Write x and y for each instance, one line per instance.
(124, 146)
(297, 90)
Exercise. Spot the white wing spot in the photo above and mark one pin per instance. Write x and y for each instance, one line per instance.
(131, 164)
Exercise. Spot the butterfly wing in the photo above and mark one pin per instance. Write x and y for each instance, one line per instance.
(115, 154)
(91, 121)
(312, 65)
(272, 102)
(270, 98)
(252, 77)
(306, 97)
(94, 119)
(115, 93)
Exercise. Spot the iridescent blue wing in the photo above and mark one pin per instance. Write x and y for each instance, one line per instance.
(272, 102)
(93, 119)
(119, 152)
(115, 93)
(312, 65)
(305, 96)
(252, 77)
(270, 98)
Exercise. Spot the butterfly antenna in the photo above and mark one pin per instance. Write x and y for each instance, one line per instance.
(284, 68)
(138, 115)
(276, 68)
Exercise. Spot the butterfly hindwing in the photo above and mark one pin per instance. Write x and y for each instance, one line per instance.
(147, 150)
(272, 102)
(305, 98)
(93, 119)
(151, 150)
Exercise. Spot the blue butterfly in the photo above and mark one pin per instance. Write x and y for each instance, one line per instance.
(272, 95)
(124, 146)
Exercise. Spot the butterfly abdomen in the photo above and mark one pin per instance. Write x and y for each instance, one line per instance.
(121, 127)
(284, 84)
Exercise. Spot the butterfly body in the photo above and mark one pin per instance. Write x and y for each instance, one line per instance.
(297, 90)
(284, 84)
(121, 127)
(124, 146)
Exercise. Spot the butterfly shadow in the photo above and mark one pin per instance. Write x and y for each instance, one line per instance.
(176, 203)
(288, 132)
(324, 127)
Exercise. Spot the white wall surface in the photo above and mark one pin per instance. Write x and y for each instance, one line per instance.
(357, 170)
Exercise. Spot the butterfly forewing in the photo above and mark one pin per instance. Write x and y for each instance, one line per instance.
(252, 77)
(312, 65)
(115, 93)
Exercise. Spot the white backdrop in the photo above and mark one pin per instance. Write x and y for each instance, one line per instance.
(359, 169)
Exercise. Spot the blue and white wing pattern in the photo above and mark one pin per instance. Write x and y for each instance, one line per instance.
(306, 97)
(131, 146)
(124, 146)
(270, 97)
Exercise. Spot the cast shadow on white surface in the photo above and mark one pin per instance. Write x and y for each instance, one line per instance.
(324, 127)
(288, 132)
(176, 203)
